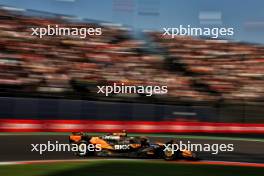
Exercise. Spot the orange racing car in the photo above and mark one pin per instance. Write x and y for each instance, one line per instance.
(120, 145)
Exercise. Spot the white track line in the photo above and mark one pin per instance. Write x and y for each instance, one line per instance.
(204, 162)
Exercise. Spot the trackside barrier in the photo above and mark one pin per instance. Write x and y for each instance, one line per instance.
(7, 125)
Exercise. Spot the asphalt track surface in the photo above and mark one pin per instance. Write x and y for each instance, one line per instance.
(18, 148)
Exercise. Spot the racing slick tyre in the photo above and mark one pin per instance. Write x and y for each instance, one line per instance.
(169, 155)
(82, 149)
(191, 156)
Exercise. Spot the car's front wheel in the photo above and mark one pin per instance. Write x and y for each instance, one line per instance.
(169, 154)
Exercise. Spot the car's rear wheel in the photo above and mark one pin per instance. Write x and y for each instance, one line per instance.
(190, 156)
(81, 149)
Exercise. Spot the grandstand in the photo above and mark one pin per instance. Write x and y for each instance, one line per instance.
(230, 70)
(195, 70)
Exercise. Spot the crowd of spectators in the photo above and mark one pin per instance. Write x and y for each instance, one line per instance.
(55, 63)
(232, 70)
(206, 70)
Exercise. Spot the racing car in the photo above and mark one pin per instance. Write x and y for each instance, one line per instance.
(120, 145)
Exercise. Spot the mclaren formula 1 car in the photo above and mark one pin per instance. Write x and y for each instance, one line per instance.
(120, 145)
